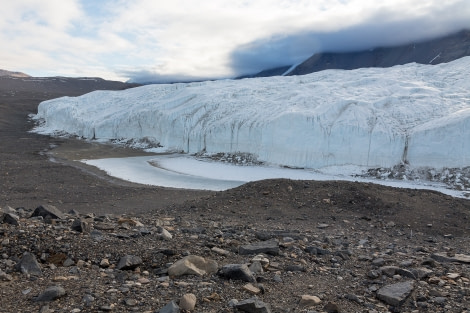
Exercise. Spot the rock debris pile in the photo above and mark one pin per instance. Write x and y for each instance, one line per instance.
(57, 262)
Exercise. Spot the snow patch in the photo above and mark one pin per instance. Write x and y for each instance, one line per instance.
(290, 69)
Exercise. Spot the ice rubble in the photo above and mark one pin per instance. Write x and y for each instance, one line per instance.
(413, 114)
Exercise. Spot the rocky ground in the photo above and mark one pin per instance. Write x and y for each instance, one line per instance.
(74, 240)
(322, 258)
(453, 178)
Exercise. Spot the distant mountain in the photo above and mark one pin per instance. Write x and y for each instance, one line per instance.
(435, 51)
(12, 74)
(59, 85)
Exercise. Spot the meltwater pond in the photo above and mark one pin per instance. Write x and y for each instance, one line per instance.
(186, 172)
(182, 171)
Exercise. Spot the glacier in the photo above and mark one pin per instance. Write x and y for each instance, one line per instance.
(411, 114)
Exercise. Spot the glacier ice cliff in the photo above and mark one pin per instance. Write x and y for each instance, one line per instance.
(414, 114)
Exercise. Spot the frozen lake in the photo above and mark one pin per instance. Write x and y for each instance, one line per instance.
(184, 171)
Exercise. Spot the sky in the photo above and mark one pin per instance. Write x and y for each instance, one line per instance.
(182, 40)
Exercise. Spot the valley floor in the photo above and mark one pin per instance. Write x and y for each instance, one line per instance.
(346, 243)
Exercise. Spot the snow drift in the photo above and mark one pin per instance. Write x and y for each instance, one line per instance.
(414, 114)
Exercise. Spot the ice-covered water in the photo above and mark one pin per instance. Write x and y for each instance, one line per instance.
(183, 171)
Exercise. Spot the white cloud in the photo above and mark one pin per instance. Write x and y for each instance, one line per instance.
(184, 37)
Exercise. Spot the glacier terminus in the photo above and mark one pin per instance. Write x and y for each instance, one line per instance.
(411, 114)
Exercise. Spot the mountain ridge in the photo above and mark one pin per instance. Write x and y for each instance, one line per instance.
(434, 51)
(60, 85)
(13, 74)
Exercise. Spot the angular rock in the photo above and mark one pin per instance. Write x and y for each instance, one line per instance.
(256, 267)
(10, 218)
(373, 274)
(378, 262)
(7, 210)
(122, 236)
(261, 259)
(237, 272)
(104, 263)
(406, 263)
(440, 300)
(45, 309)
(220, 251)
(171, 307)
(274, 266)
(421, 272)
(88, 299)
(80, 226)
(131, 302)
(129, 262)
(309, 301)
(406, 273)
(197, 230)
(252, 289)
(144, 231)
(395, 294)
(317, 251)
(193, 265)
(96, 235)
(29, 265)
(129, 221)
(50, 294)
(344, 254)
(354, 298)
(436, 281)
(5, 277)
(331, 307)
(459, 258)
(453, 276)
(48, 212)
(107, 307)
(57, 259)
(232, 303)
(268, 247)
(68, 262)
(253, 305)
(74, 212)
(389, 270)
(188, 302)
(295, 268)
(164, 234)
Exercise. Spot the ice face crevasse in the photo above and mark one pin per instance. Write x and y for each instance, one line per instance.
(372, 117)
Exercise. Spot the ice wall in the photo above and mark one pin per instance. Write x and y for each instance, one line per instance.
(372, 117)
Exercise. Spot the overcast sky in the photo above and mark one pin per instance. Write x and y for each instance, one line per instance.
(173, 40)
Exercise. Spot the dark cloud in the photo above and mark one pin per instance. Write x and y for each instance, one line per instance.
(382, 29)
